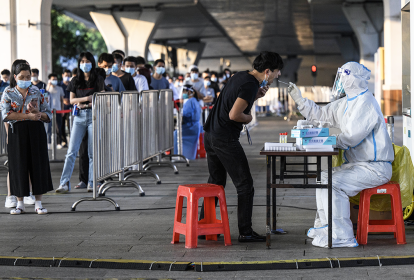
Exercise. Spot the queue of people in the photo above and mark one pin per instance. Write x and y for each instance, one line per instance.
(111, 72)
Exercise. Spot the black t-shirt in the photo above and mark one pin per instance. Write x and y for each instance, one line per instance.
(128, 81)
(242, 85)
(87, 91)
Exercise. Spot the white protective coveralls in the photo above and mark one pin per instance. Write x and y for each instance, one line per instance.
(368, 152)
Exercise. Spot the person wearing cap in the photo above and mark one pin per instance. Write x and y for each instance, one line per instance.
(191, 113)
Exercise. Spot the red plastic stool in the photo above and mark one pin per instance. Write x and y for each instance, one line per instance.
(396, 224)
(209, 226)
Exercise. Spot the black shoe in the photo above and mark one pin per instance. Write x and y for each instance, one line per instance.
(203, 237)
(253, 237)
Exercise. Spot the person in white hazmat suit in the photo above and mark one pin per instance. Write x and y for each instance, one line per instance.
(368, 151)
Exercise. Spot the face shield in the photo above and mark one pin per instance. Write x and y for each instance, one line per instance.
(338, 90)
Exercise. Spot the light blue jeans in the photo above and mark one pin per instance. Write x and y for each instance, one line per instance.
(82, 124)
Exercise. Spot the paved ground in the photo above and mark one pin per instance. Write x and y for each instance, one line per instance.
(143, 229)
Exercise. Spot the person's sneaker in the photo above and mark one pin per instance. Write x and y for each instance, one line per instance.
(11, 201)
(63, 189)
(29, 199)
(253, 237)
(80, 185)
(59, 146)
(90, 188)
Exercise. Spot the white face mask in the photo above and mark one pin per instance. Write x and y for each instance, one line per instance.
(53, 82)
(214, 79)
(66, 79)
(194, 76)
(34, 79)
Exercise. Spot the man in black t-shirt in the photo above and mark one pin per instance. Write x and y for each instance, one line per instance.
(223, 127)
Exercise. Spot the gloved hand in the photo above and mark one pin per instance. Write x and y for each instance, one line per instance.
(295, 93)
(335, 146)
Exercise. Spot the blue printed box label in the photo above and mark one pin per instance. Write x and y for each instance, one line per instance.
(331, 140)
(310, 132)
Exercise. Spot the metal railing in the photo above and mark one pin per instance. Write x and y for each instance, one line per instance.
(164, 128)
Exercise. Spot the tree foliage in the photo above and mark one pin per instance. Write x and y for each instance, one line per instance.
(70, 38)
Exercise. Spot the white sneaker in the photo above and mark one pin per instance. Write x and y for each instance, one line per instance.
(90, 188)
(29, 199)
(41, 211)
(11, 201)
(313, 232)
(63, 189)
(59, 147)
(322, 241)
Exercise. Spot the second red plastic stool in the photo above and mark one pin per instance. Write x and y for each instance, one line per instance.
(396, 224)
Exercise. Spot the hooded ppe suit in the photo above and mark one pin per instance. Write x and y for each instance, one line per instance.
(368, 151)
(190, 128)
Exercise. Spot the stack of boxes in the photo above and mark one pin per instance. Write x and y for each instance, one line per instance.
(314, 139)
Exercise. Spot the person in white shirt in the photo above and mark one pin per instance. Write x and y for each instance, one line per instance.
(56, 95)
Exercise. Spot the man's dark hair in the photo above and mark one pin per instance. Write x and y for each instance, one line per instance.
(35, 70)
(267, 60)
(214, 73)
(140, 60)
(131, 59)
(75, 71)
(52, 75)
(107, 57)
(158, 61)
(67, 71)
(194, 69)
(148, 66)
(5, 72)
(118, 52)
(118, 57)
(226, 69)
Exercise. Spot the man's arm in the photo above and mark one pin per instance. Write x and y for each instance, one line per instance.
(236, 113)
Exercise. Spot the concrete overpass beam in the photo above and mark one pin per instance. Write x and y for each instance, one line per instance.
(367, 33)
(112, 34)
(138, 29)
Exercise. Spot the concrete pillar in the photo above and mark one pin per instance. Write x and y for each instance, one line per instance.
(392, 58)
(365, 25)
(7, 35)
(111, 33)
(34, 35)
(138, 29)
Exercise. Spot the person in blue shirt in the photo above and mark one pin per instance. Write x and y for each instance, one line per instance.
(191, 114)
(158, 81)
(106, 61)
(4, 82)
(66, 76)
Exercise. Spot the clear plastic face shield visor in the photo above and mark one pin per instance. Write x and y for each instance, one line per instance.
(338, 88)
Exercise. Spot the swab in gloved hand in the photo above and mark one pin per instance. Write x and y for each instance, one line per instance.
(295, 93)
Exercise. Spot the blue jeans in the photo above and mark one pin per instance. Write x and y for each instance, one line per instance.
(81, 125)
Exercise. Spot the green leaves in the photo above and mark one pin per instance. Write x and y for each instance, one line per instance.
(70, 38)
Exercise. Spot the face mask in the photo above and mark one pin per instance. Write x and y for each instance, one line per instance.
(108, 71)
(224, 77)
(23, 84)
(264, 82)
(194, 76)
(66, 79)
(214, 79)
(207, 83)
(185, 95)
(130, 70)
(160, 70)
(115, 68)
(228, 75)
(54, 82)
(34, 79)
(85, 67)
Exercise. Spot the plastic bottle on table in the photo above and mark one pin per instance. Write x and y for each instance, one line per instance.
(280, 138)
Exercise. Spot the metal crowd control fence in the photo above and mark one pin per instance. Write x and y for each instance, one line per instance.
(108, 152)
(148, 137)
(3, 144)
(164, 128)
(178, 107)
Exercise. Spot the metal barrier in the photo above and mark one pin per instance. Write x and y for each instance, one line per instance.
(148, 137)
(107, 137)
(164, 126)
(130, 122)
(3, 144)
